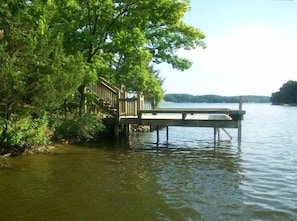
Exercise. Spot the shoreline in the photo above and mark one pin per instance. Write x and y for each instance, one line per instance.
(14, 152)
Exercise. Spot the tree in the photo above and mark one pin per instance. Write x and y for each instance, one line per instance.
(35, 73)
(287, 94)
(121, 39)
(34, 69)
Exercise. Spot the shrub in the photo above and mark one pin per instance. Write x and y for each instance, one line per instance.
(84, 128)
(24, 131)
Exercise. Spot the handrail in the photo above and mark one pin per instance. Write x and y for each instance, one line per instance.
(109, 85)
(107, 93)
(118, 99)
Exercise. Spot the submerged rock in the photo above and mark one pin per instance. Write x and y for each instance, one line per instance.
(37, 150)
(140, 128)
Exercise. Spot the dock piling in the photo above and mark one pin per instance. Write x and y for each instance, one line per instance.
(158, 134)
(167, 134)
(239, 122)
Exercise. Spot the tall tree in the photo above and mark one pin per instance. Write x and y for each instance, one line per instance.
(120, 39)
(35, 73)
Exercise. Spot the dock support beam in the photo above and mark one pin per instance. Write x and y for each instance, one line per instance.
(226, 132)
(158, 135)
(215, 132)
(239, 131)
(127, 130)
(167, 134)
(239, 122)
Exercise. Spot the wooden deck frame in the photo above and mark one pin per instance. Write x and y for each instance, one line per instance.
(188, 117)
(126, 111)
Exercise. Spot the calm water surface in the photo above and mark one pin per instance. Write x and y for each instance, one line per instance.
(191, 178)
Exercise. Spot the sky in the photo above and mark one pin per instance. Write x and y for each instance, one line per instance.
(251, 48)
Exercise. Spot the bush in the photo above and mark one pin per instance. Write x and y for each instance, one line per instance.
(84, 128)
(24, 132)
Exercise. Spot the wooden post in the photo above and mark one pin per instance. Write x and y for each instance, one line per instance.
(126, 103)
(136, 106)
(139, 102)
(117, 123)
(219, 134)
(239, 121)
(167, 133)
(239, 131)
(158, 135)
(127, 130)
(216, 131)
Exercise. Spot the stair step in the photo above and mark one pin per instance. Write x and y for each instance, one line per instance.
(107, 106)
(114, 112)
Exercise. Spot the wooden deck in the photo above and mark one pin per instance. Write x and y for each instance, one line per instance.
(125, 111)
(217, 118)
(190, 117)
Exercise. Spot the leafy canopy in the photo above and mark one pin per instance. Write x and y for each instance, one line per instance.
(121, 39)
(51, 47)
(35, 72)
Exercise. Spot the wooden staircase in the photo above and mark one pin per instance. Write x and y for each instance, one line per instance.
(107, 107)
(107, 97)
(115, 101)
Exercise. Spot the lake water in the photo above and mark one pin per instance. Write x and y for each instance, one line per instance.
(190, 178)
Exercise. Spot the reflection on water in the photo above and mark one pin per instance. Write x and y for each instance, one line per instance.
(193, 182)
(186, 179)
(155, 184)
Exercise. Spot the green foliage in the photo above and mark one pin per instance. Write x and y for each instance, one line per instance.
(24, 132)
(153, 87)
(124, 38)
(84, 128)
(287, 94)
(187, 98)
(52, 49)
(35, 73)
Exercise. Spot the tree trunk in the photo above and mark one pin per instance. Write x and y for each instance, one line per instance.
(82, 103)
(8, 110)
(8, 113)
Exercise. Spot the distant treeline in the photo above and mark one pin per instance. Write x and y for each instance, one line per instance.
(187, 98)
(287, 94)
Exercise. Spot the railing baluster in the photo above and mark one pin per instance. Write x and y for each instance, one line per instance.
(118, 99)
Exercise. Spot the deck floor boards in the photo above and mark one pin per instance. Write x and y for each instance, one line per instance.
(189, 117)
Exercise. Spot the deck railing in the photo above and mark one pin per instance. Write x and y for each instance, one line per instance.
(119, 100)
(107, 92)
(131, 106)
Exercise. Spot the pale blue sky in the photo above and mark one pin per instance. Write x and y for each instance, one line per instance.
(251, 48)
